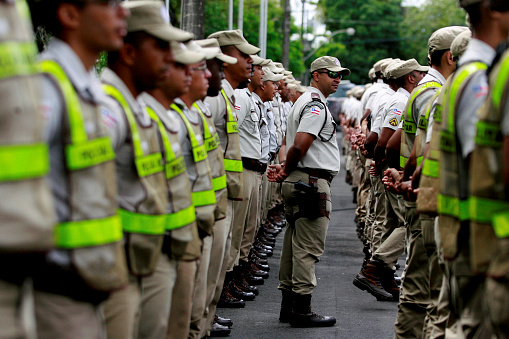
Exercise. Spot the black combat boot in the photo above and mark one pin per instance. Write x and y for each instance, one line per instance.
(302, 316)
(286, 306)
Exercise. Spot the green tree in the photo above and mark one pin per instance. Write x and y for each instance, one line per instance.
(421, 22)
(216, 19)
(377, 33)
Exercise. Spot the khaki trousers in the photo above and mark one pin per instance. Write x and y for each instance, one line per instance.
(17, 318)
(242, 218)
(265, 203)
(122, 310)
(252, 220)
(200, 289)
(377, 226)
(414, 294)
(363, 194)
(156, 295)
(182, 299)
(304, 242)
(497, 290)
(58, 316)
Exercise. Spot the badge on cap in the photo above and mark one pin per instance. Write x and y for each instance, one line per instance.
(336, 61)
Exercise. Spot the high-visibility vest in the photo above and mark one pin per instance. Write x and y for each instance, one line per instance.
(429, 184)
(204, 198)
(232, 157)
(452, 208)
(27, 213)
(216, 161)
(489, 207)
(146, 222)
(179, 187)
(94, 224)
(409, 125)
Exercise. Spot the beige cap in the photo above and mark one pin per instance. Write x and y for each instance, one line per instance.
(187, 54)
(293, 86)
(377, 64)
(371, 73)
(466, 3)
(302, 89)
(279, 65)
(358, 91)
(385, 65)
(407, 67)
(287, 72)
(442, 39)
(273, 67)
(152, 17)
(212, 43)
(257, 61)
(270, 76)
(459, 45)
(329, 63)
(235, 38)
(390, 66)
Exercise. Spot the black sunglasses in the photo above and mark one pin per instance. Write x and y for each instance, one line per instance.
(333, 75)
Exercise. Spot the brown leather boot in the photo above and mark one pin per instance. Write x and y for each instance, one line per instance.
(368, 280)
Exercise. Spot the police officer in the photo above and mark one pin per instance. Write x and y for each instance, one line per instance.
(88, 260)
(27, 224)
(311, 135)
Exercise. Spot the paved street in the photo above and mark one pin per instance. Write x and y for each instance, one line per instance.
(358, 313)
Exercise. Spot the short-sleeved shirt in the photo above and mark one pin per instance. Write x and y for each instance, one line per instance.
(273, 146)
(249, 125)
(317, 121)
(368, 94)
(394, 109)
(217, 107)
(376, 88)
(383, 97)
(473, 95)
(261, 109)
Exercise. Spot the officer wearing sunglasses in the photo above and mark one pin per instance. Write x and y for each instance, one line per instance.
(306, 171)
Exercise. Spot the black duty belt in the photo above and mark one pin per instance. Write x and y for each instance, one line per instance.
(254, 165)
(319, 173)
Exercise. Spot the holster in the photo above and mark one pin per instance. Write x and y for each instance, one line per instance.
(313, 204)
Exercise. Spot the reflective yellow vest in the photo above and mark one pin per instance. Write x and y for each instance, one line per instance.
(94, 224)
(27, 213)
(409, 125)
(489, 207)
(204, 198)
(216, 162)
(451, 208)
(145, 223)
(232, 157)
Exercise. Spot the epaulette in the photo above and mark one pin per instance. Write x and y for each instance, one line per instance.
(315, 97)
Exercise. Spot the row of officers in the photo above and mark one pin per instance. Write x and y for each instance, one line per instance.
(427, 156)
(134, 204)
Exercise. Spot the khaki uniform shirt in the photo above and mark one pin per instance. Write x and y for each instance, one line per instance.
(249, 125)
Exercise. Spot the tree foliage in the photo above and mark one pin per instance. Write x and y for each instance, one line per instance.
(216, 19)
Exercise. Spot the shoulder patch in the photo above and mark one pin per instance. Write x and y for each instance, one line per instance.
(393, 122)
(397, 111)
(315, 110)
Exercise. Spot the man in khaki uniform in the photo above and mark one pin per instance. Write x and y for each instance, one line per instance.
(312, 160)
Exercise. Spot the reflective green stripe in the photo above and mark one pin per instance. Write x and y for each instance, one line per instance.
(430, 168)
(231, 123)
(233, 165)
(482, 209)
(501, 224)
(409, 125)
(423, 122)
(447, 142)
(86, 233)
(204, 198)
(419, 160)
(488, 134)
(500, 83)
(199, 152)
(219, 183)
(143, 223)
(181, 218)
(453, 206)
(211, 141)
(17, 58)
(174, 166)
(81, 153)
(89, 154)
(437, 116)
(19, 162)
(402, 161)
(456, 85)
(145, 164)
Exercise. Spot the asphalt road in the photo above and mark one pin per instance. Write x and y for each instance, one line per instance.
(358, 314)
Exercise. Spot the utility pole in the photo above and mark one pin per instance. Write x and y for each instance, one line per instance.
(286, 34)
(262, 38)
(240, 25)
(230, 15)
(192, 17)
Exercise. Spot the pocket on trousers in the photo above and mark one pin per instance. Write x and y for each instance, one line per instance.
(143, 252)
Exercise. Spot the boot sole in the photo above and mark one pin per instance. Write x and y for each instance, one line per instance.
(366, 287)
(308, 325)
